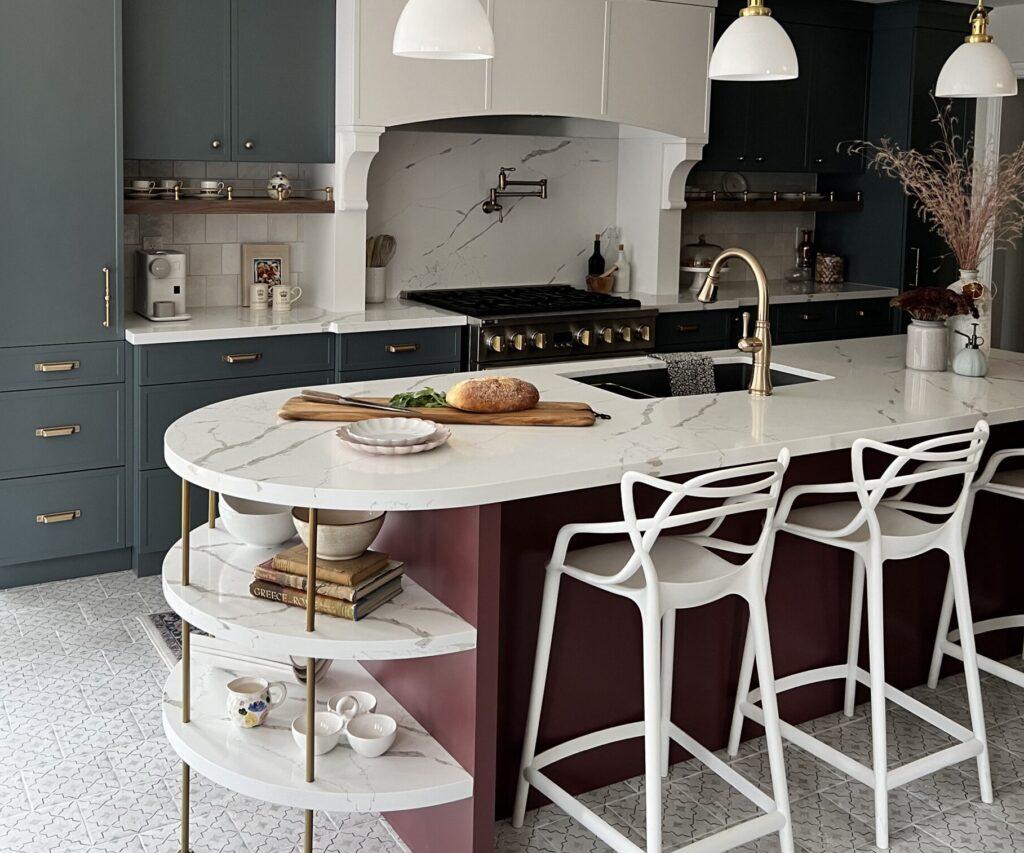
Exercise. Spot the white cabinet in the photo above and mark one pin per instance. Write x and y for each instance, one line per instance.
(549, 57)
(658, 56)
(394, 90)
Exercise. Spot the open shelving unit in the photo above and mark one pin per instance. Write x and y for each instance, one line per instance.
(769, 206)
(223, 205)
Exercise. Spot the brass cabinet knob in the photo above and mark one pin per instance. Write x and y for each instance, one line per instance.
(645, 333)
(626, 333)
(539, 340)
(215, 144)
(248, 145)
(496, 343)
(518, 342)
(608, 335)
(583, 337)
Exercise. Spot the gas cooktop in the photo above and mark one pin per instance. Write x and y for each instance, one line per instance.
(488, 302)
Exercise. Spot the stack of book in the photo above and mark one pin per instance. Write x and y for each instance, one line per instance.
(349, 589)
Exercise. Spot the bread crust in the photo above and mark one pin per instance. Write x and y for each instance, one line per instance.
(493, 394)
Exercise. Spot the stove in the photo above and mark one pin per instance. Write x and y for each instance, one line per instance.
(530, 324)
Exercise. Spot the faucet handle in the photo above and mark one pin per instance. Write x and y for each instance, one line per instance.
(749, 343)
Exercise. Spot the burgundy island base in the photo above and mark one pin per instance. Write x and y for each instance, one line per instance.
(475, 523)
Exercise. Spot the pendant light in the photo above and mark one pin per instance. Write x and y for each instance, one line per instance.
(754, 49)
(444, 29)
(977, 69)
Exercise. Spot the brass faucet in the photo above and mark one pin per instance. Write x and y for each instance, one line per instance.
(760, 343)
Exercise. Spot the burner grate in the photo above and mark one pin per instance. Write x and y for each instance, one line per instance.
(483, 302)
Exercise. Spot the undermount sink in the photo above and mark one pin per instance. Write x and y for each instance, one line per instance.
(731, 374)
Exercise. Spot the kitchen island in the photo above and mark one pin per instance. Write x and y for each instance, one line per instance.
(475, 521)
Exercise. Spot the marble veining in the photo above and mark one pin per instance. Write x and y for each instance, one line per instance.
(267, 763)
(240, 447)
(736, 294)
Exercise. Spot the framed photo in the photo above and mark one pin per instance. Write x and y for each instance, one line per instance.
(264, 263)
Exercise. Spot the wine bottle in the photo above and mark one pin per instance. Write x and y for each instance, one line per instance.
(625, 273)
(596, 264)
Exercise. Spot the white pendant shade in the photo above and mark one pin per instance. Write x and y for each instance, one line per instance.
(754, 49)
(979, 70)
(444, 29)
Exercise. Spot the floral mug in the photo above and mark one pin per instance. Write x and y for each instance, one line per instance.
(250, 700)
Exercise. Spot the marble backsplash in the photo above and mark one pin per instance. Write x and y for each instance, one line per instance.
(427, 188)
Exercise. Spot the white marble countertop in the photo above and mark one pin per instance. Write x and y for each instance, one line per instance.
(237, 322)
(736, 294)
(241, 448)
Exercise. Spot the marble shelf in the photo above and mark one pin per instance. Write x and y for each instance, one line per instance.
(217, 600)
(267, 764)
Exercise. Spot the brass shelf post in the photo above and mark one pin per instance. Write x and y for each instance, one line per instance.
(186, 660)
(310, 667)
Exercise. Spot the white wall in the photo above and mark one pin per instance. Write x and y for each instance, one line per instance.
(1007, 25)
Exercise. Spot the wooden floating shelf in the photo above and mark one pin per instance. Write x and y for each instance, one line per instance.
(222, 205)
(769, 206)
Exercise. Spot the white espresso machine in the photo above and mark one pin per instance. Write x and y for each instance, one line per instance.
(160, 286)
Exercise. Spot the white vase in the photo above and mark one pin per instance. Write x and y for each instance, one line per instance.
(969, 280)
(927, 345)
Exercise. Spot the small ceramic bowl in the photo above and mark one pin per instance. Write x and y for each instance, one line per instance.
(366, 702)
(327, 728)
(392, 432)
(342, 534)
(371, 735)
(258, 524)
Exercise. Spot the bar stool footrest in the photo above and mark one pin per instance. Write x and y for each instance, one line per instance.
(986, 664)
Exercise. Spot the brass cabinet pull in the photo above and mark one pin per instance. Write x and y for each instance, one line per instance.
(106, 297)
(689, 327)
(57, 366)
(58, 517)
(397, 348)
(243, 358)
(58, 432)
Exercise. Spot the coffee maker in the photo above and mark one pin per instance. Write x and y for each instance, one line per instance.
(160, 285)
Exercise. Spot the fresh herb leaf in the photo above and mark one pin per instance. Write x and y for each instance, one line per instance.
(425, 398)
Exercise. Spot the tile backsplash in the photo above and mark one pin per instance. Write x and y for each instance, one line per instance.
(212, 243)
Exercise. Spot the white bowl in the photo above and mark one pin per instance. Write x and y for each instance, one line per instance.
(258, 524)
(392, 432)
(371, 735)
(341, 534)
(327, 728)
(366, 702)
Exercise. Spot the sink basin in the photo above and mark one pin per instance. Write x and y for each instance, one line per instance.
(731, 374)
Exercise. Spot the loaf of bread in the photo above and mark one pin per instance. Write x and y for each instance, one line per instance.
(493, 394)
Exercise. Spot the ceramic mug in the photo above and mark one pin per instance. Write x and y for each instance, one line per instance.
(259, 297)
(250, 700)
(283, 296)
(143, 187)
(211, 187)
(167, 187)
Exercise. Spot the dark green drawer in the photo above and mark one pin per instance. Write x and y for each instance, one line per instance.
(159, 364)
(803, 321)
(398, 372)
(402, 348)
(693, 330)
(61, 429)
(158, 406)
(84, 513)
(24, 368)
(864, 316)
(158, 507)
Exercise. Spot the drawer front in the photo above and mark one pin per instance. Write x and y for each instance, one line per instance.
(693, 329)
(868, 316)
(158, 500)
(63, 429)
(24, 368)
(158, 406)
(803, 321)
(62, 515)
(160, 364)
(400, 348)
(398, 372)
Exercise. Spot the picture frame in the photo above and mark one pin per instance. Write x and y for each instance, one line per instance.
(264, 263)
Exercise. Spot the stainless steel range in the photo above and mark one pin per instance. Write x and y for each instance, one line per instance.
(549, 322)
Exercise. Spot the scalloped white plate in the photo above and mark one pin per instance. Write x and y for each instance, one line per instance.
(440, 436)
(391, 432)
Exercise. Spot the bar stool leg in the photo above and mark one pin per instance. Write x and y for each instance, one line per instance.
(958, 575)
(742, 692)
(945, 620)
(876, 656)
(548, 608)
(853, 644)
(668, 653)
(652, 722)
(773, 735)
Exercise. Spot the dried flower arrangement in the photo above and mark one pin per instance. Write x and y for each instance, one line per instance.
(935, 304)
(961, 201)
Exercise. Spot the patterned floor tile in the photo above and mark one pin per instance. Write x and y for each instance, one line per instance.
(972, 828)
(113, 609)
(147, 762)
(564, 836)
(683, 820)
(805, 774)
(208, 833)
(820, 826)
(68, 780)
(1008, 805)
(1007, 767)
(711, 791)
(55, 829)
(905, 809)
(1001, 705)
(113, 812)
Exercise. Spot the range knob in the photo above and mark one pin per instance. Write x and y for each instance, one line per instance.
(608, 335)
(518, 341)
(626, 333)
(583, 337)
(645, 334)
(539, 340)
(496, 343)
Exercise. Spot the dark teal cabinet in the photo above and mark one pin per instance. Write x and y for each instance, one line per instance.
(177, 83)
(60, 147)
(229, 80)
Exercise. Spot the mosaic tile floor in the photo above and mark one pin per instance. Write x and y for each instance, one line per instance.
(84, 767)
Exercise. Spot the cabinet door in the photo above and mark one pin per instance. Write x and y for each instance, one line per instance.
(283, 81)
(397, 90)
(177, 79)
(726, 150)
(839, 86)
(554, 69)
(656, 52)
(61, 150)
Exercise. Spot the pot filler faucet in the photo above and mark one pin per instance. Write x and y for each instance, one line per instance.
(760, 343)
(493, 205)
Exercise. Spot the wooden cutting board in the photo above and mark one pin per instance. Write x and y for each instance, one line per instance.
(545, 414)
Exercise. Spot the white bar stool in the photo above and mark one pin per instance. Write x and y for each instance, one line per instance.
(876, 528)
(1009, 484)
(663, 574)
